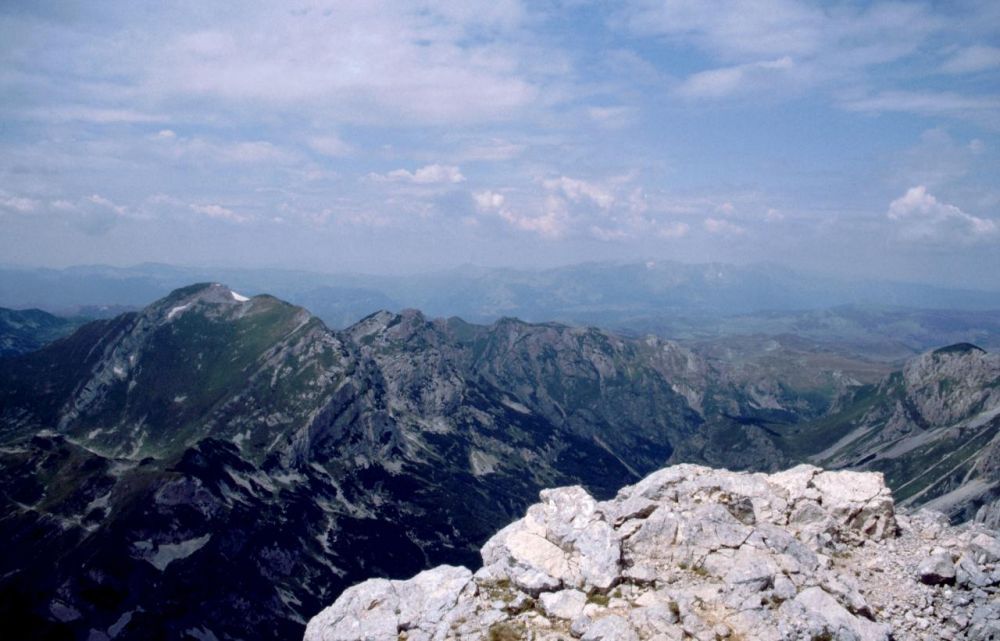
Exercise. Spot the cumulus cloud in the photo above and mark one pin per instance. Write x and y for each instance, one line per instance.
(920, 217)
(488, 200)
(581, 190)
(219, 212)
(720, 226)
(427, 175)
(611, 210)
(553, 223)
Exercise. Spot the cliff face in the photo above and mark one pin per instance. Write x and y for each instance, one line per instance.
(933, 429)
(692, 552)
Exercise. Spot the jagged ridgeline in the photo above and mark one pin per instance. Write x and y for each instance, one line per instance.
(222, 465)
(217, 466)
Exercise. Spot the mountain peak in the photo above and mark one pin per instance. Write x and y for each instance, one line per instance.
(185, 298)
(959, 348)
(208, 292)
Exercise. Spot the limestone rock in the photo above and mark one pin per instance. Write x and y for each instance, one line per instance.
(937, 569)
(378, 609)
(562, 541)
(695, 553)
(565, 604)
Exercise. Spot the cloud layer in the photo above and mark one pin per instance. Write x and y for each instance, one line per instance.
(380, 135)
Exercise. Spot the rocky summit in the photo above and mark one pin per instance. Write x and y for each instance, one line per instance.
(692, 552)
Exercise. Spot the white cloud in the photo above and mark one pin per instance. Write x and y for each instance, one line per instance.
(937, 159)
(554, 223)
(719, 226)
(920, 217)
(252, 152)
(756, 29)
(427, 175)
(103, 202)
(488, 200)
(926, 102)
(673, 230)
(366, 61)
(219, 213)
(93, 215)
(579, 190)
(733, 28)
(972, 59)
(718, 83)
(489, 150)
(247, 152)
(18, 204)
(612, 117)
(96, 115)
(330, 145)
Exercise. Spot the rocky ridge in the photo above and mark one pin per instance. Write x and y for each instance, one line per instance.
(691, 552)
(932, 428)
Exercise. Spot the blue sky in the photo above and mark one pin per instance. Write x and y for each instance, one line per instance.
(847, 137)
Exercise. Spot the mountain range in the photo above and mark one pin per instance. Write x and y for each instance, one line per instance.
(29, 329)
(649, 294)
(221, 466)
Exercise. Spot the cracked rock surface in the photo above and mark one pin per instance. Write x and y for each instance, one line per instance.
(692, 552)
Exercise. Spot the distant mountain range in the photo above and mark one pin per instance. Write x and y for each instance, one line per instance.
(29, 329)
(219, 465)
(662, 295)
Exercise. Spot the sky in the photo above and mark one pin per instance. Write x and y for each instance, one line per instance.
(852, 138)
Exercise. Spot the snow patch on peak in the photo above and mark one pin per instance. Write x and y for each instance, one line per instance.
(239, 298)
(177, 310)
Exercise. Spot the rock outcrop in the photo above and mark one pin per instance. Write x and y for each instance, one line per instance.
(695, 553)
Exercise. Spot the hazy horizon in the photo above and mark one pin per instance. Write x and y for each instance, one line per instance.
(500, 267)
(859, 140)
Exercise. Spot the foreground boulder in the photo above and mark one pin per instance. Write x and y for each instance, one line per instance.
(695, 553)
